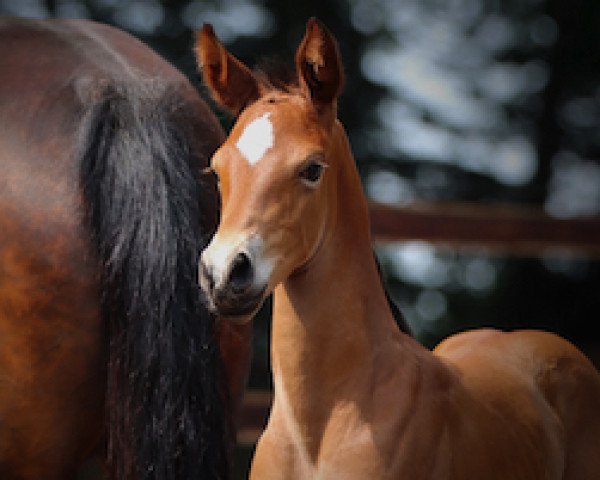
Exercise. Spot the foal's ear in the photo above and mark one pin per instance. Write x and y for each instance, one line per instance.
(230, 82)
(318, 65)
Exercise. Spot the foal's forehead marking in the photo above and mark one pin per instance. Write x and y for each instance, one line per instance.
(256, 139)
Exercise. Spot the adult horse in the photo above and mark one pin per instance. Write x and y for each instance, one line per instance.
(103, 213)
(354, 397)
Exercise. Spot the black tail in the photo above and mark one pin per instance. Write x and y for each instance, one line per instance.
(166, 418)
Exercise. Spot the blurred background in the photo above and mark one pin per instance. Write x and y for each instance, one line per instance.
(492, 102)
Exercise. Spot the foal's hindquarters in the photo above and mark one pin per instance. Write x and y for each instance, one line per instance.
(539, 391)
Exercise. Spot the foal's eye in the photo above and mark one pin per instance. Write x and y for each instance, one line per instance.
(311, 174)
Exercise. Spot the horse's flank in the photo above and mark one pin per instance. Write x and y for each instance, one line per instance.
(355, 397)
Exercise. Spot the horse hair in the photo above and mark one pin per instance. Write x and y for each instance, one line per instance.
(166, 407)
(396, 312)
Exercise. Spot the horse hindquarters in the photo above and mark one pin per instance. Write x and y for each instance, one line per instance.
(51, 349)
(570, 384)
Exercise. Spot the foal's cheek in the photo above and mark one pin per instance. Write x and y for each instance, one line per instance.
(313, 224)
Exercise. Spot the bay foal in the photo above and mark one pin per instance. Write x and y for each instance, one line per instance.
(354, 397)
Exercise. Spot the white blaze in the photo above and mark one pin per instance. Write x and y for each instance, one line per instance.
(256, 139)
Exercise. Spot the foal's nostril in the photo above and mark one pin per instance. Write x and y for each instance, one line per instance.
(240, 275)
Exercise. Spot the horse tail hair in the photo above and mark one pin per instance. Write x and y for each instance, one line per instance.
(166, 411)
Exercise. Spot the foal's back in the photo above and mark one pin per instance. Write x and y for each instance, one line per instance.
(531, 390)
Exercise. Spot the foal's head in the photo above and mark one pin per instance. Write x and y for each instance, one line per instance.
(276, 170)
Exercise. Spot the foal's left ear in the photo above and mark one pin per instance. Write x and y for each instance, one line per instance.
(319, 66)
(230, 82)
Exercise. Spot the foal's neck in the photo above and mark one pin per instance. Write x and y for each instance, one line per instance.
(331, 319)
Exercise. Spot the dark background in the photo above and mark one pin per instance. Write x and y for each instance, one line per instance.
(487, 101)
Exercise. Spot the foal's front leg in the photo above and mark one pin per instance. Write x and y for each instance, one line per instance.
(276, 458)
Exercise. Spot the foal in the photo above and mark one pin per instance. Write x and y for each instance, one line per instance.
(355, 398)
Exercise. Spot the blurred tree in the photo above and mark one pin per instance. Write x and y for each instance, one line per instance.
(486, 101)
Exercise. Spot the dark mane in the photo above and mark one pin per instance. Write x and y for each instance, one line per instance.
(396, 312)
(144, 200)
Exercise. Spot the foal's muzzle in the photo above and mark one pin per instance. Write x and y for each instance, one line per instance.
(232, 291)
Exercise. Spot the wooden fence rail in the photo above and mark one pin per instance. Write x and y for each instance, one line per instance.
(512, 230)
